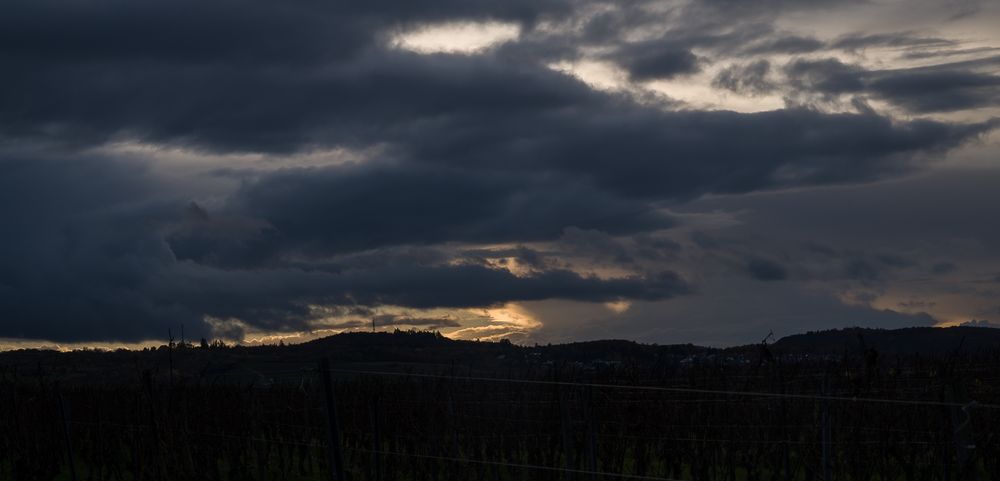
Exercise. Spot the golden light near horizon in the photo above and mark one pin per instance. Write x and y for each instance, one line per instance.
(10, 344)
(498, 323)
(618, 307)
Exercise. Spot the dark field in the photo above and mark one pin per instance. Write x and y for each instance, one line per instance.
(548, 413)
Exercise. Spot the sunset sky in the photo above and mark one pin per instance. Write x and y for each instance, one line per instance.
(538, 170)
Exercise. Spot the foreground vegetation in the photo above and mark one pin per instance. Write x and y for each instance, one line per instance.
(690, 420)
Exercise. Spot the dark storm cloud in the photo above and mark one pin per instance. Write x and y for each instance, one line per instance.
(895, 39)
(789, 44)
(98, 249)
(345, 209)
(489, 148)
(524, 256)
(862, 270)
(867, 268)
(729, 311)
(919, 55)
(943, 267)
(828, 76)
(202, 72)
(795, 4)
(895, 260)
(704, 240)
(766, 269)
(526, 177)
(185, 32)
(78, 248)
(654, 61)
(876, 235)
(405, 320)
(228, 243)
(748, 79)
(939, 88)
(594, 245)
(938, 91)
(231, 106)
(484, 110)
(678, 155)
(934, 206)
(704, 27)
(655, 248)
(255, 31)
(517, 181)
(640, 151)
(278, 298)
(760, 255)
(233, 96)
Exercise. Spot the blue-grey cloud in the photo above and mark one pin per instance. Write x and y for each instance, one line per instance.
(940, 88)
(467, 159)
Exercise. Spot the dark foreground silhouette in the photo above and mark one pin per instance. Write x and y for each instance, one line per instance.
(914, 404)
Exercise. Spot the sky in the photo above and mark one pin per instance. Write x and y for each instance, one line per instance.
(705, 171)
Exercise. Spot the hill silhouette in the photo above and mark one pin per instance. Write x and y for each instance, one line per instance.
(907, 341)
(427, 350)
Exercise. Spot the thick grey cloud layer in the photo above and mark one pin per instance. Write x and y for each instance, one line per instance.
(91, 255)
(940, 88)
(465, 157)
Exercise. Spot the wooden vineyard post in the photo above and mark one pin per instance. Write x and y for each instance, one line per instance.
(591, 435)
(961, 431)
(333, 428)
(69, 444)
(567, 438)
(786, 461)
(170, 360)
(827, 435)
(376, 440)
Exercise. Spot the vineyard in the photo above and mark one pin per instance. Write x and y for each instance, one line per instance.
(771, 420)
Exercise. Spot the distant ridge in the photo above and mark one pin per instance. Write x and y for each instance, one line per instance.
(911, 340)
(432, 348)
